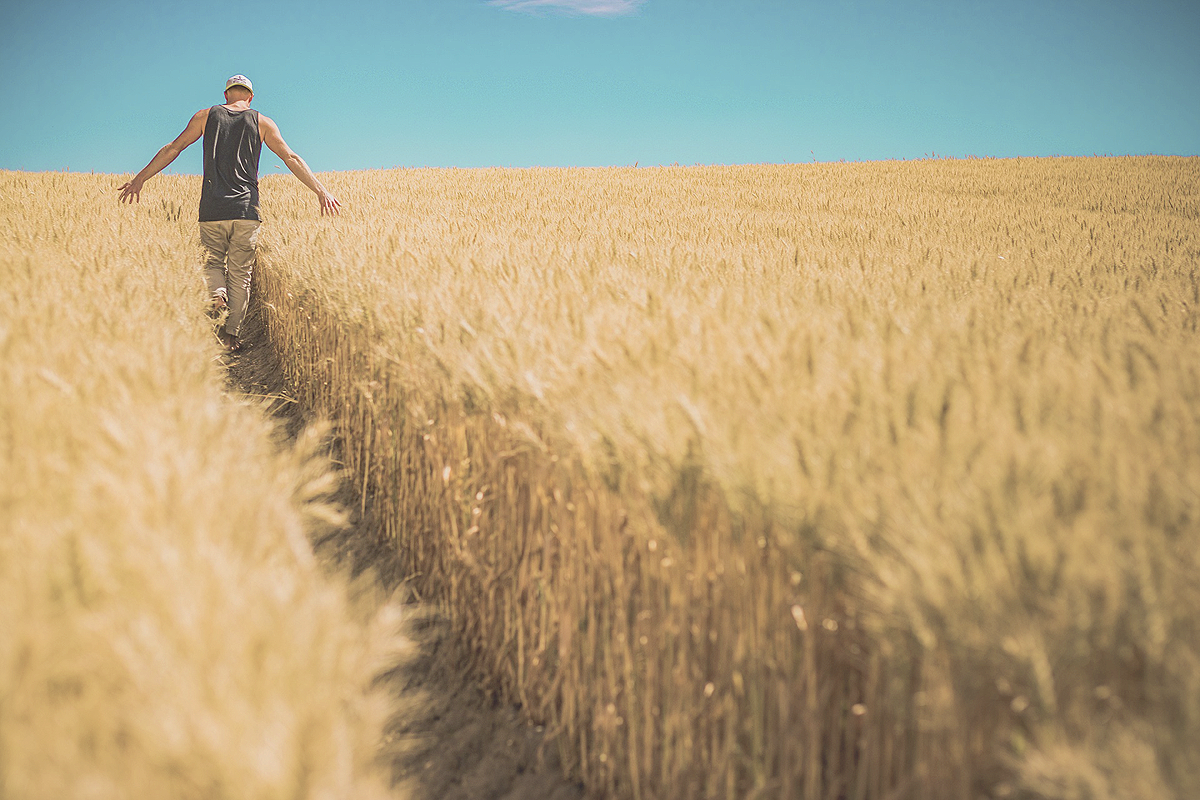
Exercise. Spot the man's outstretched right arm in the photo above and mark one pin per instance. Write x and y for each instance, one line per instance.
(132, 190)
(272, 139)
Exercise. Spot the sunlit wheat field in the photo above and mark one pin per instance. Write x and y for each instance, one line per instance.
(826, 480)
(165, 630)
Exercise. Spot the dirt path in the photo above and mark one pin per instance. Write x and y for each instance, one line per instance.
(449, 740)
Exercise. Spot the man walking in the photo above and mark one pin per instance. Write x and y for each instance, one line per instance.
(233, 135)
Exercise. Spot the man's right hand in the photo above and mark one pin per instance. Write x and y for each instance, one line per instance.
(131, 191)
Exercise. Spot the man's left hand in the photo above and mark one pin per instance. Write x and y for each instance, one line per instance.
(329, 204)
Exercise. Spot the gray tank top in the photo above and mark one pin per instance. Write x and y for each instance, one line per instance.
(232, 145)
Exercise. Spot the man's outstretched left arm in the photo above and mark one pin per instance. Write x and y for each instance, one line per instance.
(132, 190)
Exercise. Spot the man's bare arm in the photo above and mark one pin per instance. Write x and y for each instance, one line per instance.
(272, 139)
(132, 190)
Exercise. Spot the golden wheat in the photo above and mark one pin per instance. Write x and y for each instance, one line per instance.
(164, 630)
(840, 480)
(837, 479)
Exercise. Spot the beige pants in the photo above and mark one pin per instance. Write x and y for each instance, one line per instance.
(229, 247)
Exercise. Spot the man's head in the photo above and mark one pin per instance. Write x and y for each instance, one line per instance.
(237, 88)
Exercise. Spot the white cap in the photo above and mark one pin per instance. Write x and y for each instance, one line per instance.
(239, 80)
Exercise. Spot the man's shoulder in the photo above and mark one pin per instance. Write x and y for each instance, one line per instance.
(198, 121)
(266, 124)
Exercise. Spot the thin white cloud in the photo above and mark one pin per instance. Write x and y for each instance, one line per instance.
(599, 8)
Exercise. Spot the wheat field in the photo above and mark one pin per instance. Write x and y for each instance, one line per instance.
(165, 630)
(825, 481)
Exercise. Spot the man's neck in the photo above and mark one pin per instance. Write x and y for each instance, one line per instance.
(238, 105)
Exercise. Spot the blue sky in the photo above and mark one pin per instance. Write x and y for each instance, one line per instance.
(360, 84)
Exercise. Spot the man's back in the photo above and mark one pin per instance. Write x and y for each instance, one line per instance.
(232, 145)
